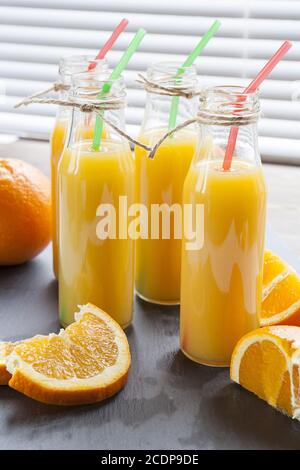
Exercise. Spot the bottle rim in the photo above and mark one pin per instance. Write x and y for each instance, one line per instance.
(69, 65)
(88, 86)
(229, 101)
(167, 73)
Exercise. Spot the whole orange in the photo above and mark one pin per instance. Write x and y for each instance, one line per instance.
(25, 211)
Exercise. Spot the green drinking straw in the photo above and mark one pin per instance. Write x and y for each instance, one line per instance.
(187, 63)
(113, 76)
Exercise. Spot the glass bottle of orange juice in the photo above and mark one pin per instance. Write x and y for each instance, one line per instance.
(221, 278)
(159, 181)
(67, 67)
(96, 262)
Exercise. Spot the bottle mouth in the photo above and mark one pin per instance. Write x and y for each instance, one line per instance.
(93, 87)
(173, 75)
(229, 100)
(79, 63)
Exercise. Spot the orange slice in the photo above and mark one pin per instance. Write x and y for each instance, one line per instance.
(85, 363)
(267, 362)
(281, 293)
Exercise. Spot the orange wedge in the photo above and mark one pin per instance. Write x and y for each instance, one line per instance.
(281, 293)
(267, 362)
(85, 363)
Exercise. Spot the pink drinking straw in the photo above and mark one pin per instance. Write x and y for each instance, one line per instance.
(260, 77)
(109, 43)
(107, 46)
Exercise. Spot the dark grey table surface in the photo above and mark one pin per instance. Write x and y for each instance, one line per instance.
(168, 403)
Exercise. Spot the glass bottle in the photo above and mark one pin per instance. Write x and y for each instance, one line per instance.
(67, 67)
(159, 181)
(95, 259)
(222, 256)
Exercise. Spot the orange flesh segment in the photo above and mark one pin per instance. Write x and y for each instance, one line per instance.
(87, 335)
(250, 373)
(266, 362)
(6, 348)
(262, 370)
(282, 296)
(274, 368)
(284, 397)
(49, 356)
(73, 355)
(273, 267)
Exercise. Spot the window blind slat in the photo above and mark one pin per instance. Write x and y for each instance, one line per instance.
(28, 70)
(232, 8)
(8, 103)
(158, 43)
(26, 124)
(279, 128)
(21, 88)
(164, 24)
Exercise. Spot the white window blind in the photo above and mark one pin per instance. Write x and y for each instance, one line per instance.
(34, 34)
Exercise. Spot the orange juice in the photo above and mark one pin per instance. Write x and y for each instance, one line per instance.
(221, 281)
(57, 144)
(58, 139)
(68, 66)
(93, 269)
(160, 181)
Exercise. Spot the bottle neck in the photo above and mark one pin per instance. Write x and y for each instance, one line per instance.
(70, 66)
(79, 64)
(227, 112)
(82, 125)
(213, 141)
(94, 90)
(158, 111)
(164, 111)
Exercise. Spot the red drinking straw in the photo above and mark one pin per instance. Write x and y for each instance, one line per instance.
(260, 77)
(109, 43)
